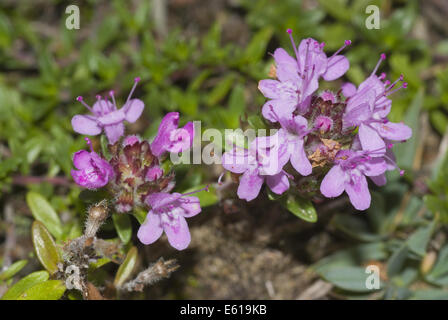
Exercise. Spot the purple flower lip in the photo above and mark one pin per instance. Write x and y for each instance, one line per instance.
(106, 116)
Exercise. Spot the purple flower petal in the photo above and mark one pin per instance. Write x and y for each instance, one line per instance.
(358, 192)
(379, 180)
(348, 89)
(82, 159)
(250, 185)
(333, 183)
(336, 67)
(114, 132)
(162, 141)
(151, 230)
(178, 234)
(393, 131)
(286, 66)
(370, 139)
(191, 206)
(281, 108)
(114, 117)
(133, 109)
(269, 88)
(236, 160)
(299, 160)
(160, 199)
(374, 167)
(278, 183)
(102, 107)
(86, 125)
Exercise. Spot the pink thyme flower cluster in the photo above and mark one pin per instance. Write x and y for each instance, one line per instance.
(132, 172)
(326, 143)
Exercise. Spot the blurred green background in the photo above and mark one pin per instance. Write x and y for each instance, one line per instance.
(204, 59)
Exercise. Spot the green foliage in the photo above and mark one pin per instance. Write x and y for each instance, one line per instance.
(45, 247)
(18, 289)
(127, 267)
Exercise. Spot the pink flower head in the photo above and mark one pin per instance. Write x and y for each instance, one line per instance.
(170, 138)
(298, 78)
(106, 115)
(93, 171)
(349, 174)
(264, 159)
(167, 214)
(368, 107)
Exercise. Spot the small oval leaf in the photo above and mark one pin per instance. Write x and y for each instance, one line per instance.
(301, 208)
(123, 225)
(24, 284)
(48, 290)
(127, 267)
(44, 212)
(13, 269)
(45, 247)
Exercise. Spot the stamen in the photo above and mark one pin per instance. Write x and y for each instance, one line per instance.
(111, 93)
(403, 86)
(206, 188)
(89, 143)
(382, 57)
(383, 76)
(346, 43)
(80, 99)
(400, 78)
(220, 178)
(136, 80)
(294, 47)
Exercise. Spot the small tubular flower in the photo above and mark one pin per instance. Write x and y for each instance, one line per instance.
(170, 138)
(298, 78)
(264, 160)
(106, 116)
(92, 172)
(167, 214)
(349, 174)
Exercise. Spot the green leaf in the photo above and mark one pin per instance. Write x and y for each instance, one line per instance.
(13, 269)
(220, 90)
(48, 290)
(25, 283)
(123, 225)
(301, 208)
(45, 247)
(439, 273)
(257, 46)
(127, 267)
(347, 278)
(397, 260)
(354, 256)
(355, 227)
(430, 294)
(206, 197)
(105, 147)
(256, 122)
(419, 240)
(407, 150)
(44, 212)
